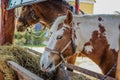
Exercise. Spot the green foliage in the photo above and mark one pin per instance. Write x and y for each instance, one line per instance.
(19, 41)
(31, 37)
(18, 35)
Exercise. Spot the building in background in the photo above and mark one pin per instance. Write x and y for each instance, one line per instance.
(85, 5)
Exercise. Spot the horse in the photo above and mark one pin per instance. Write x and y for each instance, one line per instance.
(44, 12)
(95, 36)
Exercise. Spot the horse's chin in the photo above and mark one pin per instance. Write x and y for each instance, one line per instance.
(49, 74)
(47, 70)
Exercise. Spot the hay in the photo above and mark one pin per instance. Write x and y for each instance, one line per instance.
(7, 72)
(20, 56)
(27, 60)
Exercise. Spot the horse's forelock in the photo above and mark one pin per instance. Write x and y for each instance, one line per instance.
(58, 21)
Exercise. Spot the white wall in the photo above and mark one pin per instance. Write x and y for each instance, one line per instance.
(106, 6)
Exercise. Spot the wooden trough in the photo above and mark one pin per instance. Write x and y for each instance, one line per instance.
(24, 74)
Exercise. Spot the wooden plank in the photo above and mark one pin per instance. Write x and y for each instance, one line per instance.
(33, 51)
(88, 72)
(36, 52)
(118, 67)
(23, 73)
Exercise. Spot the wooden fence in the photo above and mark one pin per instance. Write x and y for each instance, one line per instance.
(24, 74)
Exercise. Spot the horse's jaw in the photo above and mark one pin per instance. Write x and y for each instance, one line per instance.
(47, 63)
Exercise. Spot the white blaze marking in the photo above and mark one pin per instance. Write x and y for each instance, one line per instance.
(88, 48)
(45, 59)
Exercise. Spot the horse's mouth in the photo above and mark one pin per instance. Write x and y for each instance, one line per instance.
(45, 70)
(48, 68)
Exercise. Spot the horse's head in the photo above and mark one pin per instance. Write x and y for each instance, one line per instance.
(60, 45)
(27, 17)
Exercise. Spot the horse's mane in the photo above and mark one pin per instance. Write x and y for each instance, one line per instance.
(60, 5)
(60, 2)
(63, 1)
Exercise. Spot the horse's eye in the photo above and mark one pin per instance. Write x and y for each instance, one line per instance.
(59, 37)
(23, 8)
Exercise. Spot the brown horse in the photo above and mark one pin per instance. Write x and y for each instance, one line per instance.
(95, 36)
(44, 12)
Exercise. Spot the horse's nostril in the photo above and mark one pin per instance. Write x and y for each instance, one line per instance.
(42, 65)
(51, 64)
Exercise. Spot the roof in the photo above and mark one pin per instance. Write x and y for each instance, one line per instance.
(18, 3)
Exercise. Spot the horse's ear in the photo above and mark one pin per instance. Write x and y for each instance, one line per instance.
(69, 17)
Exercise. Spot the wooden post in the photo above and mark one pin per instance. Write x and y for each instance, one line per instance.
(7, 24)
(118, 61)
(118, 67)
(77, 6)
(1, 76)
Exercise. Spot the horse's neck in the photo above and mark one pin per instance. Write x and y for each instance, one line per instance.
(100, 53)
(55, 9)
(88, 27)
(105, 61)
(98, 40)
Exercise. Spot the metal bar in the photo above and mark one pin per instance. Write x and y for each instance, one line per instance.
(77, 6)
